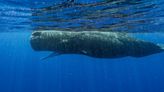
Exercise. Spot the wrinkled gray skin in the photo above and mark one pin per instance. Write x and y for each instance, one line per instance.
(94, 44)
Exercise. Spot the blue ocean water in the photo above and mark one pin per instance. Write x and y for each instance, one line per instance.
(22, 70)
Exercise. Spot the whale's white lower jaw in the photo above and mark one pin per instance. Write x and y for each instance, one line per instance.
(161, 45)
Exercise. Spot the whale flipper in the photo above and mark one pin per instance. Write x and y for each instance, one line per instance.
(50, 56)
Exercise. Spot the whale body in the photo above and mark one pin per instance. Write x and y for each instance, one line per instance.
(92, 43)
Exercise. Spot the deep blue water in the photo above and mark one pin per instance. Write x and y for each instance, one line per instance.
(22, 70)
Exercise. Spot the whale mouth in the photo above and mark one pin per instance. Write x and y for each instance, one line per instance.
(35, 39)
(36, 35)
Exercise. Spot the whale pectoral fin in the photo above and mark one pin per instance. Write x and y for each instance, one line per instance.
(50, 56)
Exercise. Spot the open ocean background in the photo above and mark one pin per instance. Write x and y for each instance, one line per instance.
(22, 70)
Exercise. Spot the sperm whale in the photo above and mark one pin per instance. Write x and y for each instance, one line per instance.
(92, 43)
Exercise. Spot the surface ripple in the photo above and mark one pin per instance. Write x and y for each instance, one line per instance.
(82, 15)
